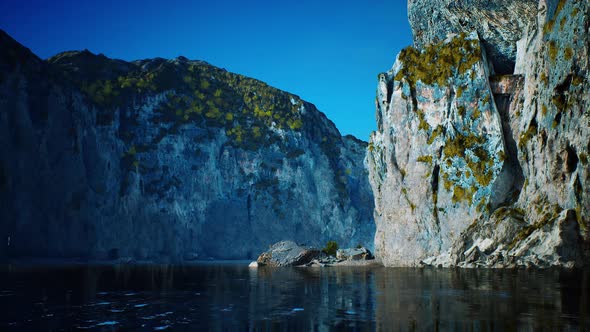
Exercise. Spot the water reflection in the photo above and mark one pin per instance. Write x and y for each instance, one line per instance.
(484, 300)
(231, 296)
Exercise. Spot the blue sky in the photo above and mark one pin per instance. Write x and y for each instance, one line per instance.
(327, 52)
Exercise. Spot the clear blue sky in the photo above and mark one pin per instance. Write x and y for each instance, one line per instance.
(328, 52)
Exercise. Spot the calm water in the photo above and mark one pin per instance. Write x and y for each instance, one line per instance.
(230, 296)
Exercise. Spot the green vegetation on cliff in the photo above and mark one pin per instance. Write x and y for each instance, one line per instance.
(437, 63)
(195, 92)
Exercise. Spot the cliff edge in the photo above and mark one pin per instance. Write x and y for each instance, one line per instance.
(475, 166)
(167, 160)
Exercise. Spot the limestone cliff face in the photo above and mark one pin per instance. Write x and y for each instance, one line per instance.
(470, 168)
(499, 23)
(167, 160)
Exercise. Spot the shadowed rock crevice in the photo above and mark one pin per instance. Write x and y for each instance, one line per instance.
(507, 90)
(571, 160)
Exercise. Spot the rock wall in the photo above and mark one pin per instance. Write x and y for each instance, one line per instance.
(470, 168)
(167, 160)
(499, 23)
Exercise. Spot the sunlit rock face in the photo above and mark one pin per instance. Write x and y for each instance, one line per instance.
(167, 160)
(475, 169)
(499, 23)
(439, 154)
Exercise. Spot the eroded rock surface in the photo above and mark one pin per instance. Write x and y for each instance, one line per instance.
(354, 254)
(439, 154)
(499, 23)
(287, 253)
(470, 168)
(167, 159)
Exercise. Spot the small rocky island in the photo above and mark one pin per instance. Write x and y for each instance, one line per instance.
(289, 253)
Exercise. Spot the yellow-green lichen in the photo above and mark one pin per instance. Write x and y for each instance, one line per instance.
(561, 102)
(482, 168)
(568, 53)
(575, 12)
(437, 63)
(412, 205)
(457, 146)
(462, 110)
(577, 80)
(423, 124)
(459, 91)
(425, 159)
(201, 94)
(527, 135)
(435, 133)
(562, 23)
(476, 114)
(551, 23)
(486, 99)
(462, 194)
(552, 50)
(551, 213)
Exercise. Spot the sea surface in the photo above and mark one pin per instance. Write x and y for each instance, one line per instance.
(231, 296)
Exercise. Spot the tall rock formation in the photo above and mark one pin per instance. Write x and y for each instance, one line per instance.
(499, 23)
(470, 168)
(166, 160)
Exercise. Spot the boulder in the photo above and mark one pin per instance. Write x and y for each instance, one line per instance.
(354, 254)
(287, 253)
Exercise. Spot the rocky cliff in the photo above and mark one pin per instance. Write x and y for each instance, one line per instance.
(167, 160)
(499, 24)
(481, 153)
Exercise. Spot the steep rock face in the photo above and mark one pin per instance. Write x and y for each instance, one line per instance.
(535, 209)
(499, 23)
(439, 153)
(167, 159)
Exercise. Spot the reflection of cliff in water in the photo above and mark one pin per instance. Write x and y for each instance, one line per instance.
(329, 297)
(431, 299)
(231, 296)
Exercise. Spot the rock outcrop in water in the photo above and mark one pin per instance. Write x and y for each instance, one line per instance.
(166, 159)
(287, 253)
(471, 168)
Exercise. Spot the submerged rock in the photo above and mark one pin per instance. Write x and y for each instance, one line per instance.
(287, 253)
